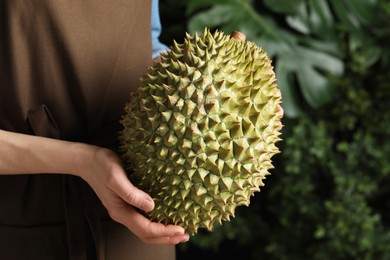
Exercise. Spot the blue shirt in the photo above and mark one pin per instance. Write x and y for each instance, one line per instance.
(157, 46)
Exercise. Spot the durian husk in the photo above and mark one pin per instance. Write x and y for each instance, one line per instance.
(199, 133)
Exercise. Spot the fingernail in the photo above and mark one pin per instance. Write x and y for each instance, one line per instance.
(180, 232)
(148, 204)
(186, 239)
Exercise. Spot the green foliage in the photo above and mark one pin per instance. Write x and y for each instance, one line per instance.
(329, 194)
(342, 153)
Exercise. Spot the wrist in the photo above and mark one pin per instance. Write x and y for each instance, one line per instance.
(92, 159)
(84, 156)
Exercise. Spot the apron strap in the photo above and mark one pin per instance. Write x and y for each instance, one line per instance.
(75, 225)
(42, 122)
(78, 203)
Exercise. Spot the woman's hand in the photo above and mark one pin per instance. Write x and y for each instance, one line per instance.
(105, 174)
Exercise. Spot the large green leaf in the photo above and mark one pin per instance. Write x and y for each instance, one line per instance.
(364, 10)
(307, 66)
(284, 6)
(310, 16)
(193, 6)
(215, 16)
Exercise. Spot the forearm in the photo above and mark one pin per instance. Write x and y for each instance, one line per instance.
(20, 154)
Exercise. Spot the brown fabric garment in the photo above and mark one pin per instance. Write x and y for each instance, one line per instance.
(66, 70)
(121, 244)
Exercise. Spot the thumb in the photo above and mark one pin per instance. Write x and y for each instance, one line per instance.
(139, 199)
(134, 196)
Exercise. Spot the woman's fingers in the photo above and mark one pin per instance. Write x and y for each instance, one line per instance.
(148, 231)
(121, 198)
(167, 240)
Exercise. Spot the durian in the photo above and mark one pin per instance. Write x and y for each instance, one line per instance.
(199, 133)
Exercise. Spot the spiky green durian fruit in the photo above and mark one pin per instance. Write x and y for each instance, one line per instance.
(200, 132)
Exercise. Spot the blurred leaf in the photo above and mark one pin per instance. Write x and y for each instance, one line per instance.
(284, 6)
(313, 17)
(215, 16)
(314, 85)
(363, 9)
(366, 52)
(348, 20)
(309, 67)
(291, 102)
(193, 6)
(321, 19)
(310, 16)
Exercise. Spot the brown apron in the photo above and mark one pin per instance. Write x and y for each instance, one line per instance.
(66, 70)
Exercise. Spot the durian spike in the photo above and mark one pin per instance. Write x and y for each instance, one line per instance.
(238, 36)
